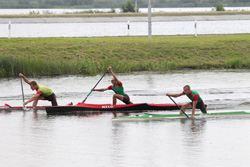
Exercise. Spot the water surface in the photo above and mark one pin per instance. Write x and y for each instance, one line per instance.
(121, 29)
(32, 138)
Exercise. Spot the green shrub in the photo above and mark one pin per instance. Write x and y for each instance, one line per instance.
(219, 6)
(128, 7)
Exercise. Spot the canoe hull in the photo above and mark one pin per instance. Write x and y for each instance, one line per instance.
(82, 108)
(8, 107)
(148, 116)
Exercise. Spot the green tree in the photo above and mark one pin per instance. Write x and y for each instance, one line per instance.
(219, 6)
(128, 7)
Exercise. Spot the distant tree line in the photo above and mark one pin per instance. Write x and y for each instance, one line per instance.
(117, 3)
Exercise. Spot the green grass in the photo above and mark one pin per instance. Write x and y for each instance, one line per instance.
(90, 56)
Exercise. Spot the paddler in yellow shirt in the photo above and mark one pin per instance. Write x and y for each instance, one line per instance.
(42, 93)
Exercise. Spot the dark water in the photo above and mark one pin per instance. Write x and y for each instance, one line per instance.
(34, 139)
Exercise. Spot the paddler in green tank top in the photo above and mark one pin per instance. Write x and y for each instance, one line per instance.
(43, 93)
(117, 87)
(194, 96)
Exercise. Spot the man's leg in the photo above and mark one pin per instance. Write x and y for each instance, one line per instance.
(36, 100)
(117, 96)
(185, 106)
(53, 100)
(202, 107)
(126, 99)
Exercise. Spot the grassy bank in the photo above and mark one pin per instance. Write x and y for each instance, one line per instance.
(58, 56)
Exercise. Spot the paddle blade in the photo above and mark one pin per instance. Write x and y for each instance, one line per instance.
(24, 108)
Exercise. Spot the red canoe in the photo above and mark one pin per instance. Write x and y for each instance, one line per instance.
(83, 108)
(8, 107)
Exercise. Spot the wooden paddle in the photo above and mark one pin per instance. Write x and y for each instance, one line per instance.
(178, 107)
(24, 107)
(95, 86)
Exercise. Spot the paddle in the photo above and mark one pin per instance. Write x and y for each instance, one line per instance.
(95, 86)
(178, 106)
(24, 107)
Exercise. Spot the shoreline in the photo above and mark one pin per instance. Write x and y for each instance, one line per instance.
(195, 13)
(123, 19)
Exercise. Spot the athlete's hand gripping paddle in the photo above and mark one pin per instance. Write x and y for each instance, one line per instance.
(24, 107)
(178, 106)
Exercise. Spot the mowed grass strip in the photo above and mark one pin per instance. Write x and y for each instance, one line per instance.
(90, 56)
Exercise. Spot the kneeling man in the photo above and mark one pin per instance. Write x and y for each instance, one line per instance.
(43, 93)
(194, 96)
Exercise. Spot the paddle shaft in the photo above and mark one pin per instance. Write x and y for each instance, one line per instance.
(178, 106)
(95, 86)
(22, 91)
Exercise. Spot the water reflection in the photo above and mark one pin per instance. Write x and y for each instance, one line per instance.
(150, 81)
(5, 112)
(33, 137)
(35, 115)
(195, 125)
(117, 141)
(193, 132)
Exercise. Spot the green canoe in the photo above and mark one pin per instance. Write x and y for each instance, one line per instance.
(148, 116)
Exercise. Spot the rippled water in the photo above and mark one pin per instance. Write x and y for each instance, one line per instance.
(34, 139)
(101, 29)
(120, 29)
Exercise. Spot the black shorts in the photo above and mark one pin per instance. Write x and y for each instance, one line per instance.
(200, 105)
(52, 98)
(126, 99)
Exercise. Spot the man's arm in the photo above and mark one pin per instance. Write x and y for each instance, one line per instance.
(113, 74)
(195, 101)
(193, 108)
(36, 96)
(174, 95)
(24, 78)
(100, 90)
